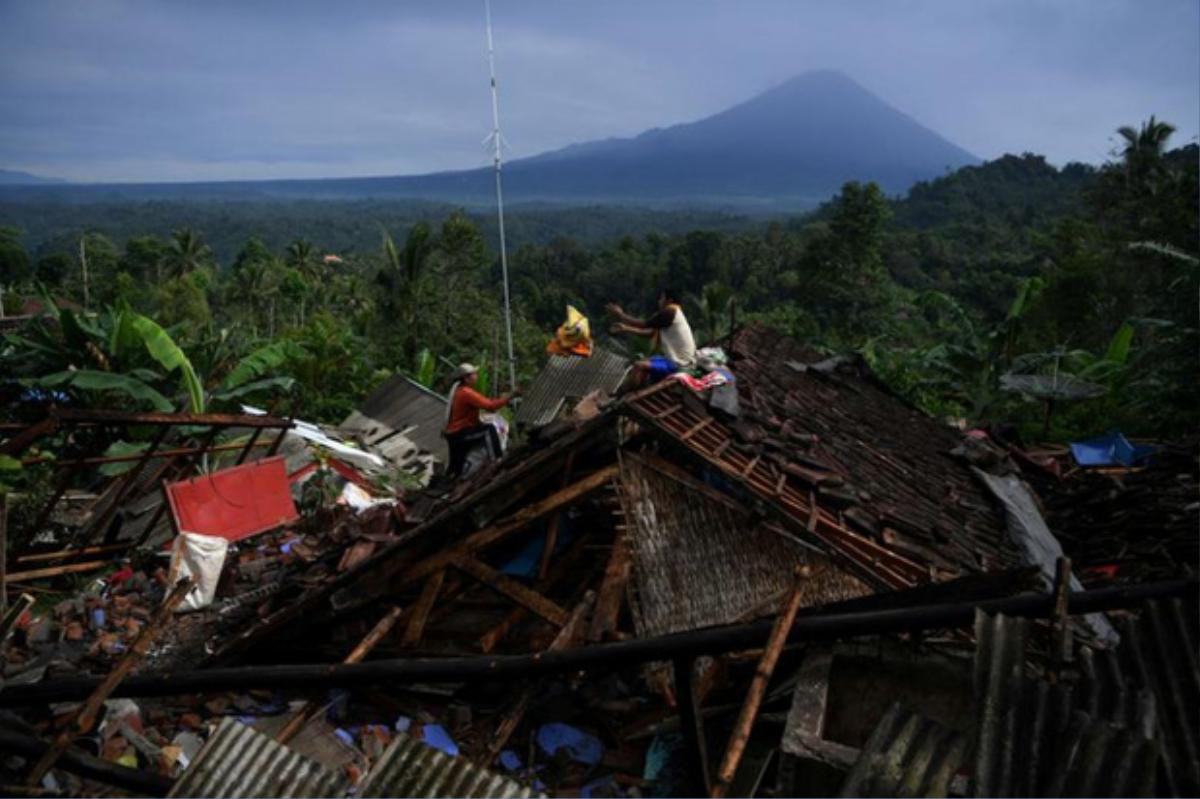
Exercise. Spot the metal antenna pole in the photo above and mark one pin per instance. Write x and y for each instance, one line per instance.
(495, 137)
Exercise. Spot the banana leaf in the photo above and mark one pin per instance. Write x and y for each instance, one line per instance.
(261, 361)
(95, 380)
(164, 350)
(282, 383)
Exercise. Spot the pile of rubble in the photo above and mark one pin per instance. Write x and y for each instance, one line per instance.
(655, 595)
(1129, 524)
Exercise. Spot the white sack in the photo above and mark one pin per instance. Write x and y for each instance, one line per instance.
(201, 557)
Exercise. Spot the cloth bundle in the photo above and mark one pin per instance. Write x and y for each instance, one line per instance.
(573, 337)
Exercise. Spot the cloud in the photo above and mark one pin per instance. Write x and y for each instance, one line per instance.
(140, 90)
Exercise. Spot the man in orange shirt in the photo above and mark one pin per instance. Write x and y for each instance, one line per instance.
(463, 427)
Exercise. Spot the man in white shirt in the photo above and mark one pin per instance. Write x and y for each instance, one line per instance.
(669, 330)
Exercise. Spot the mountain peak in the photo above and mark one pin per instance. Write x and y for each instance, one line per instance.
(793, 145)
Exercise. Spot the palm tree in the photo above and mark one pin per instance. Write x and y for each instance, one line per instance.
(301, 256)
(185, 252)
(713, 306)
(402, 275)
(1144, 146)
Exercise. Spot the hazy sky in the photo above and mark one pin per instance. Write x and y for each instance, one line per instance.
(210, 89)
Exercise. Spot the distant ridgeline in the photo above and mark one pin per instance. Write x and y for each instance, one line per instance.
(786, 149)
(1009, 192)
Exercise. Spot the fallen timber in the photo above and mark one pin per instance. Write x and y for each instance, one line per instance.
(728, 638)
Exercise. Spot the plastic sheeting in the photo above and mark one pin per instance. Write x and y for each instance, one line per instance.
(1110, 449)
(582, 748)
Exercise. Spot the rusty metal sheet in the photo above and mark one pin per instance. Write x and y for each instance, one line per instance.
(238, 761)
(409, 767)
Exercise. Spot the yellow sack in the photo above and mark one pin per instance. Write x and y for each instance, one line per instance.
(573, 337)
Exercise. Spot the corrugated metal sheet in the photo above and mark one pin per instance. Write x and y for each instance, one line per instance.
(569, 378)
(1104, 732)
(409, 767)
(1096, 736)
(698, 562)
(906, 755)
(239, 761)
(401, 406)
(1159, 653)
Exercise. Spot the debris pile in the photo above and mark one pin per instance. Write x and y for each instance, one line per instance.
(660, 592)
(1129, 524)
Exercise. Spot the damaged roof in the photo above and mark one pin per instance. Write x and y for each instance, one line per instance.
(401, 406)
(861, 471)
(566, 379)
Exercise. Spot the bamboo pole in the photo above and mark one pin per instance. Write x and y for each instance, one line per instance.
(364, 647)
(758, 686)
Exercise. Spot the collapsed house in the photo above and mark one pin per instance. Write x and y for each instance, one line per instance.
(588, 615)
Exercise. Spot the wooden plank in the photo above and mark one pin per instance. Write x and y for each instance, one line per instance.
(18, 443)
(364, 647)
(503, 529)
(612, 588)
(67, 554)
(1060, 629)
(663, 414)
(696, 428)
(563, 569)
(692, 725)
(13, 615)
(512, 589)
(512, 719)
(55, 571)
(552, 527)
(415, 629)
(758, 688)
(82, 719)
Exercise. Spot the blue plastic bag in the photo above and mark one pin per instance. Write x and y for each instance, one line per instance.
(582, 748)
(436, 736)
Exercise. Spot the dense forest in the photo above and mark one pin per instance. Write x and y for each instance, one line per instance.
(1085, 276)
